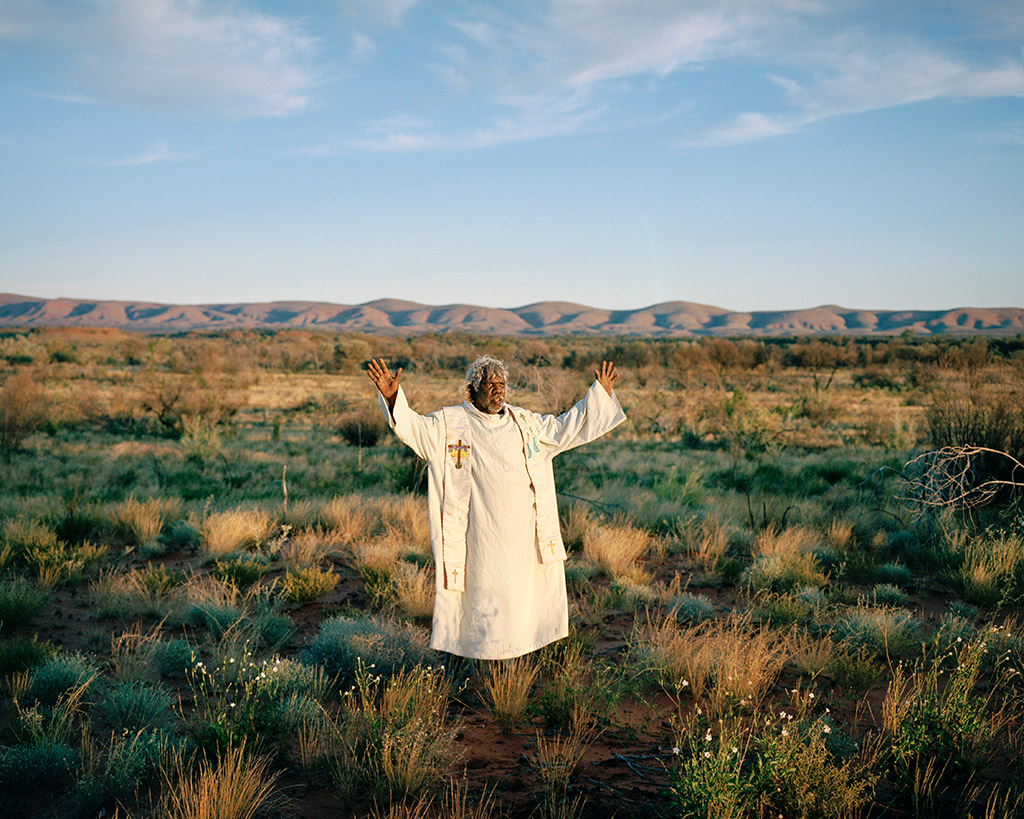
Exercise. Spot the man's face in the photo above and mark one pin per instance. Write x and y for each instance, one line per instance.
(490, 398)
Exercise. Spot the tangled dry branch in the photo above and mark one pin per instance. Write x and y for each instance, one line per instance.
(952, 477)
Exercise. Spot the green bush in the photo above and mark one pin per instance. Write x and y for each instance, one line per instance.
(345, 642)
(241, 571)
(20, 601)
(27, 768)
(21, 653)
(306, 585)
(135, 706)
(59, 675)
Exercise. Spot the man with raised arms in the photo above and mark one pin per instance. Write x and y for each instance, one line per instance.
(493, 516)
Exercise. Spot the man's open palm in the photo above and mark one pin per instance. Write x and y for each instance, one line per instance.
(607, 376)
(385, 381)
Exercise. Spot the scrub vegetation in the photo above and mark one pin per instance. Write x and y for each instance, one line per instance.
(796, 580)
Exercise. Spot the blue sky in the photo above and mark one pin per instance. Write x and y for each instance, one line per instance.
(751, 154)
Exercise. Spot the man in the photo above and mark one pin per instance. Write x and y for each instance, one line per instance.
(500, 589)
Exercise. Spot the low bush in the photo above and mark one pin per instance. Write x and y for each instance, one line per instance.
(306, 585)
(343, 643)
(20, 601)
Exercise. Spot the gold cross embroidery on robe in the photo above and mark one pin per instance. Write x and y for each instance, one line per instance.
(459, 451)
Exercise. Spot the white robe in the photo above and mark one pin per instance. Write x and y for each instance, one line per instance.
(512, 604)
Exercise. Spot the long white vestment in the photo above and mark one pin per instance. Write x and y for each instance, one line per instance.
(512, 603)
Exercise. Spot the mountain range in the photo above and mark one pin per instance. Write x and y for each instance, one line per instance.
(678, 319)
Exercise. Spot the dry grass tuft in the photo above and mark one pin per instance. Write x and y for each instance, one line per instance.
(557, 757)
(139, 522)
(224, 532)
(236, 787)
(310, 547)
(413, 590)
(348, 518)
(508, 684)
(727, 664)
(406, 517)
(616, 548)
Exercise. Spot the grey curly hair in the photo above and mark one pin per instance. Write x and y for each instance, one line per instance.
(485, 366)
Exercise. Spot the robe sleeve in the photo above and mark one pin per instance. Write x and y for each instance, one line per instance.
(423, 434)
(592, 416)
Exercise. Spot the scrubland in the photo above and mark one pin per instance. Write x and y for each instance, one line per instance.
(795, 580)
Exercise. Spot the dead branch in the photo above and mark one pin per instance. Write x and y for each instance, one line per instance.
(950, 478)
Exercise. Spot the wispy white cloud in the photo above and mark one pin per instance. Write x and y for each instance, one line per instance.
(871, 77)
(828, 59)
(388, 12)
(199, 56)
(158, 152)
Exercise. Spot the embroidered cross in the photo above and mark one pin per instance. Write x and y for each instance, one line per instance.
(458, 452)
(455, 576)
(550, 545)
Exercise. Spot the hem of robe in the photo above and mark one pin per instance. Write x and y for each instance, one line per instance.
(502, 655)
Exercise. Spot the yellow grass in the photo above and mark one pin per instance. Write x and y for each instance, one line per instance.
(406, 516)
(310, 547)
(413, 589)
(787, 543)
(140, 521)
(235, 788)
(508, 684)
(615, 548)
(724, 663)
(348, 518)
(224, 532)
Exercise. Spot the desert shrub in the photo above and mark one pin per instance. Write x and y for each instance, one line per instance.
(577, 693)
(27, 768)
(115, 773)
(895, 574)
(241, 571)
(856, 669)
(233, 706)
(285, 678)
(134, 706)
(23, 539)
(884, 631)
(615, 548)
(942, 711)
(347, 517)
(59, 675)
(160, 580)
(887, 594)
(344, 642)
(980, 416)
(691, 608)
(784, 560)
(172, 658)
(772, 767)
(21, 654)
(362, 428)
(393, 737)
(726, 664)
(309, 547)
(20, 601)
(306, 585)
(23, 409)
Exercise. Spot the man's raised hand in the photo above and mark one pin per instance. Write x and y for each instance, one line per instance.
(385, 381)
(607, 376)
